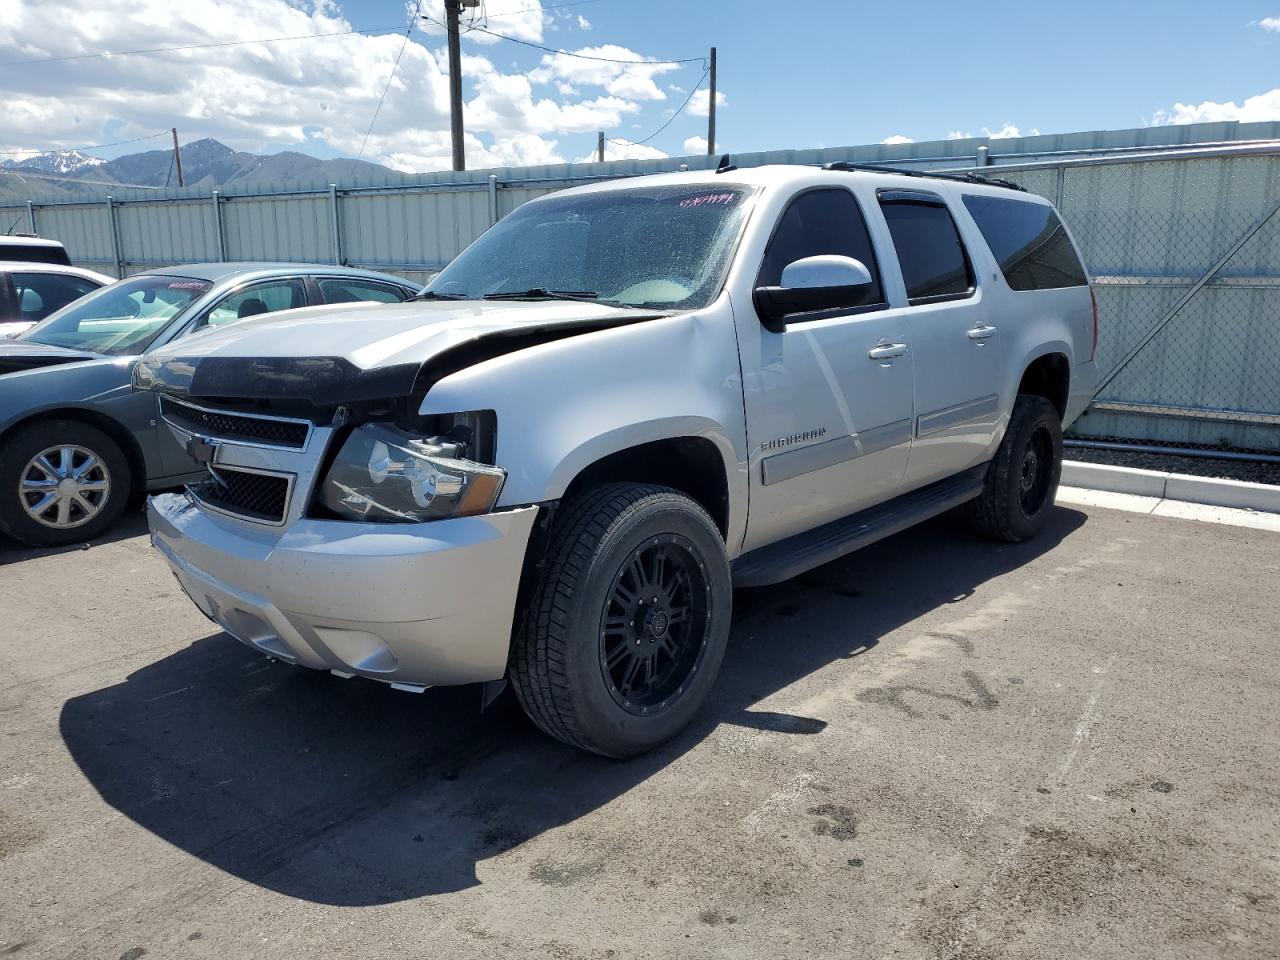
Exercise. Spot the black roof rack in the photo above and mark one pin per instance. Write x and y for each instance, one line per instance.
(847, 167)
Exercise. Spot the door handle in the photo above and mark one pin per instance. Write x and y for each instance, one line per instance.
(886, 349)
(981, 332)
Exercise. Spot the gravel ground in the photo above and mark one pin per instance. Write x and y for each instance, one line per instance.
(1195, 466)
(937, 748)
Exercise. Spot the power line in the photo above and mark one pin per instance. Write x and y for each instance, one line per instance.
(636, 143)
(92, 146)
(396, 66)
(545, 6)
(566, 53)
(198, 46)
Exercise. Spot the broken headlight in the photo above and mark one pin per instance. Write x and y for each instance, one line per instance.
(383, 474)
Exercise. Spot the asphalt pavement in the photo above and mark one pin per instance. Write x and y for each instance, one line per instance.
(937, 748)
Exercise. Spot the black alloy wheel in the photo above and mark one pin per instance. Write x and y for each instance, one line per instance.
(654, 627)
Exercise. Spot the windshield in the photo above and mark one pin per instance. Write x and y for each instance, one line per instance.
(665, 247)
(119, 319)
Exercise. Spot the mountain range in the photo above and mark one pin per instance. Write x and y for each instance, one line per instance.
(207, 164)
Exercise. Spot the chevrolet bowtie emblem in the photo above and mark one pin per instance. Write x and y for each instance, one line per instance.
(201, 449)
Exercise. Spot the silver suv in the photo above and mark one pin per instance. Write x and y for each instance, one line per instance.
(616, 405)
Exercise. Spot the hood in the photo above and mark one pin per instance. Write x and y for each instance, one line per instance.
(18, 355)
(357, 352)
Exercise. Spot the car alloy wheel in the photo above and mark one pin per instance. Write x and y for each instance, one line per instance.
(64, 486)
(654, 627)
(1035, 472)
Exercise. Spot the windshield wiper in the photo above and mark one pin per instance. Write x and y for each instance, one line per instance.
(432, 295)
(542, 293)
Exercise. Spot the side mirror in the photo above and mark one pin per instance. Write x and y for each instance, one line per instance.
(827, 282)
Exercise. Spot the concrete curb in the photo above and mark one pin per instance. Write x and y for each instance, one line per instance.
(1172, 486)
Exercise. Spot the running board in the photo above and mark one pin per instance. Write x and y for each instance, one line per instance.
(793, 556)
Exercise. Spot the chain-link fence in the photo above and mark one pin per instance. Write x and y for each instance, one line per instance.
(1185, 260)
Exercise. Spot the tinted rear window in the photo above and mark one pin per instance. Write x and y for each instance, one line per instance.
(34, 253)
(1029, 242)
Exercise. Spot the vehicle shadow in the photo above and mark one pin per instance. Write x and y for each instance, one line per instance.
(350, 793)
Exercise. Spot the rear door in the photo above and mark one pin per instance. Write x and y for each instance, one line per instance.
(954, 336)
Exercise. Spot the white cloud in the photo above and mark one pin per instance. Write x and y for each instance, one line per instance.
(320, 92)
(896, 139)
(693, 145)
(631, 80)
(625, 151)
(1265, 106)
(522, 19)
(583, 23)
(1270, 24)
(1009, 130)
(700, 102)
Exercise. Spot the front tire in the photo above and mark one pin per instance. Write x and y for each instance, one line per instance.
(628, 628)
(61, 482)
(1022, 480)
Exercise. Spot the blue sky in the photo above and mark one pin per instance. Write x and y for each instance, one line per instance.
(839, 72)
(823, 73)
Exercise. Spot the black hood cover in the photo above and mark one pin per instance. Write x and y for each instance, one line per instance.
(321, 381)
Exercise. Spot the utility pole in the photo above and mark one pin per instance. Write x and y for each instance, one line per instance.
(711, 108)
(600, 146)
(451, 9)
(177, 156)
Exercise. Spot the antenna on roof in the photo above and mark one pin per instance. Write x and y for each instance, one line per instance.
(725, 165)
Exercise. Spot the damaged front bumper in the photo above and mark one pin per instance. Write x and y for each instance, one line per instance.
(415, 605)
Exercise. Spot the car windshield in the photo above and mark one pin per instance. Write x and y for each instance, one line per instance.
(663, 247)
(119, 319)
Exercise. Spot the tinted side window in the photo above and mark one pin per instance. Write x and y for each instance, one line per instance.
(820, 222)
(1029, 242)
(934, 263)
(258, 299)
(352, 291)
(39, 294)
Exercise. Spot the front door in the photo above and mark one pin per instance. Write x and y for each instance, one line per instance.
(829, 399)
(955, 338)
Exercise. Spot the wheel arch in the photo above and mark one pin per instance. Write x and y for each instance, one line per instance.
(1048, 375)
(118, 432)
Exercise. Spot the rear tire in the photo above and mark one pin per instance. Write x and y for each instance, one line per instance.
(61, 482)
(626, 632)
(1022, 480)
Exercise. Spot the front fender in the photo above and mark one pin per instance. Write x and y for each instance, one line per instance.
(562, 406)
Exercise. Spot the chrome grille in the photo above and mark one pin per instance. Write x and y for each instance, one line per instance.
(250, 494)
(236, 427)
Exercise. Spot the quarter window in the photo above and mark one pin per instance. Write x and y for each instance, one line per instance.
(1029, 242)
(353, 291)
(816, 223)
(934, 264)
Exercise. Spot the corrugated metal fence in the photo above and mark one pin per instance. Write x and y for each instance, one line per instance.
(1179, 227)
